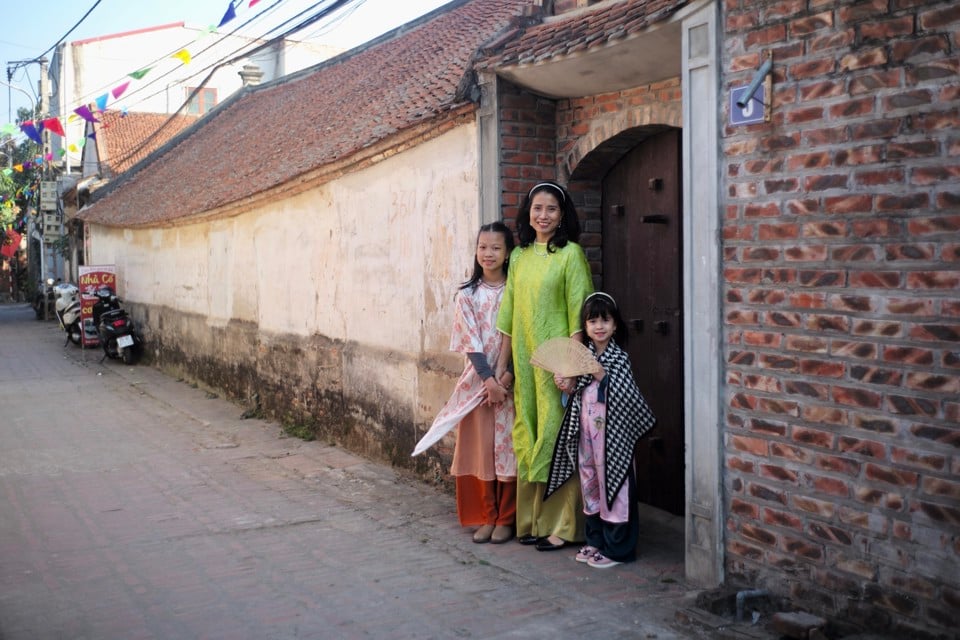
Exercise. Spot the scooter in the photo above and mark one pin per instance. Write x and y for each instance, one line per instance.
(115, 328)
(68, 311)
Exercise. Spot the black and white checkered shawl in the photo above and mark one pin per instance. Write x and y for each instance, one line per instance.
(628, 419)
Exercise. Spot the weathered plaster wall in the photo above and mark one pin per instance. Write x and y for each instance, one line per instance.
(334, 306)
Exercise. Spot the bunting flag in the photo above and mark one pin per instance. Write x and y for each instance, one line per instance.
(211, 28)
(31, 131)
(53, 124)
(118, 91)
(85, 113)
(182, 55)
(228, 16)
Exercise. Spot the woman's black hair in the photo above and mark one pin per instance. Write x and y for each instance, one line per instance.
(602, 305)
(495, 227)
(569, 229)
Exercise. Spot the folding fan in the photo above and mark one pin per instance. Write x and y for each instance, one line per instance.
(566, 357)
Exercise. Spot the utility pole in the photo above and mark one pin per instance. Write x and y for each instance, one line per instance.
(44, 111)
(44, 175)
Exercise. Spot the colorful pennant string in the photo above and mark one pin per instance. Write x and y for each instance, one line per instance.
(87, 112)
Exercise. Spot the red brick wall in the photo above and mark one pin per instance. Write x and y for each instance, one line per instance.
(841, 244)
(576, 141)
(528, 145)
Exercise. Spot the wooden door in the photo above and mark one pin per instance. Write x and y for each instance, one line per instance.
(642, 237)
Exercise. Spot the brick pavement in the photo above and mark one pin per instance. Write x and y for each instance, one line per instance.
(133, 505)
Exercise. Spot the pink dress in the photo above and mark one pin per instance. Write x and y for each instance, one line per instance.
(484, 441)
(593, 418)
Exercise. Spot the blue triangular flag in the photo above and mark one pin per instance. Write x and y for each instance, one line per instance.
(31, 131)
(228, 16)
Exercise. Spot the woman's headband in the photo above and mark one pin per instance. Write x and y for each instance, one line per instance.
(605, 295)
(547, 184)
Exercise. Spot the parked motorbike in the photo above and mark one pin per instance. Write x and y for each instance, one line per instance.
(115, 328)
(44, 299)
(68, 311)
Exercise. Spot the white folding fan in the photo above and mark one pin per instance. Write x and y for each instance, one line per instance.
(566, 357)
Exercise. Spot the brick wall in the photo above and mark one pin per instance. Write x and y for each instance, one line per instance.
(576, 141)
(527, 145)
(841, 244)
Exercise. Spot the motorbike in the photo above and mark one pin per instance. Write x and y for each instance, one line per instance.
(67, 310)
(115, 328)
(44, 299)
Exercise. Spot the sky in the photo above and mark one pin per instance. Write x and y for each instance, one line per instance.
(30, 28)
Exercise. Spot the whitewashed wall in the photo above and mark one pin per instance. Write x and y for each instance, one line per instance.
(371, 261)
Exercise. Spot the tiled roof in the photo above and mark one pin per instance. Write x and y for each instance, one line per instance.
(268, 135)
(580, 30)
(123, 140)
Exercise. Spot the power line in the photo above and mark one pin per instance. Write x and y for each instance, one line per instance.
(156, 78)
(334, 6)
(64, 37)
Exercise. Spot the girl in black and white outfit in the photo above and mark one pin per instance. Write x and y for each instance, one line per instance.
(605, 417)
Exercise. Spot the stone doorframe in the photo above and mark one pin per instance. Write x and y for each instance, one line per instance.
(701, 111)
(702, 267)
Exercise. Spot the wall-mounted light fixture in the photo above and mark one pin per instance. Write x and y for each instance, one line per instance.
(762, 74)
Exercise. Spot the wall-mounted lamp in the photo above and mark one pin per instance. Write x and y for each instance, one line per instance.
(762, 74)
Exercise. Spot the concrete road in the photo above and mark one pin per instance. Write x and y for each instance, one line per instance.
(133, 505)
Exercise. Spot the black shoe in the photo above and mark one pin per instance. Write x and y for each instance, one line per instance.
(528, 539)
(544, 544)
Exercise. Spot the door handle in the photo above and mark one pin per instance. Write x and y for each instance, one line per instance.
(662, 327)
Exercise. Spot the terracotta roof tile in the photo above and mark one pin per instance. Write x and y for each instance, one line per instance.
(268, 135)
(580, 30)
(123, 140)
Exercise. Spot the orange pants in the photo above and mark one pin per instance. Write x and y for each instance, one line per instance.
(481, 502)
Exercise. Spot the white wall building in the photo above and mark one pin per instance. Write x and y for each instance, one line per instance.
(83, 71)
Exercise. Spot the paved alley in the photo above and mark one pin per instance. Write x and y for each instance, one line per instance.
(135, 506)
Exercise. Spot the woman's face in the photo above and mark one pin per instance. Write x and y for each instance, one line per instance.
(545, 215)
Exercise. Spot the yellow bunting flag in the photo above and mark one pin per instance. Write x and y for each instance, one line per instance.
(183, 55)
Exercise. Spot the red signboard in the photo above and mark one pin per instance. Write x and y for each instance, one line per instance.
(92, 278)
